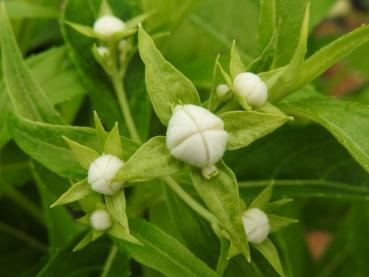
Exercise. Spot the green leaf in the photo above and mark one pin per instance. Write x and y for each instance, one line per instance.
(113, 144)
(44, 143)
(26, 96)
(267, 22)
(339, 118)
(279, 222)
(82, 29)
(101, 133)
(116, 205)
(268, 250)
(20, 9)
(166, 86)
(133, 22)
(236, 65)
(262, 200)
(76, 192)
(220, 194)
(244, 127)
(274, 205)
(119, 232)
(84, 154)
(162, 252)
(60, 225)
(150, 161)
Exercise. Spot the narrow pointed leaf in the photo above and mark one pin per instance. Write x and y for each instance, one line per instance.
(82, 29)
(226, 76)
(151, 160)
(166, 86)
(101, 133)
(261, 201)
(133, 22)
(220, 194)
(279, 222)
(236, 65)
(76, 192)
(84, 154)
(121, 233)
(116, 205)
(267, 22)
(113, 144)
(269, 251)
(84, 242)
(244, 127)
(274, 205)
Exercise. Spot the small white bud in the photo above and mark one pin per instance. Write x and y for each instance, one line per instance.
(252, 88)
(108, 25)
(100, 220)
(222, 90)
(196, 136)
(101, 172)
(256, 224)
(102, 51)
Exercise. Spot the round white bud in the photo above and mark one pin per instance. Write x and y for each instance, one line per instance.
(196, 136)
(222, 90)
(252, 88)
(102, 51)
(100, 220)
(256, 224)
(108, 25)
(101, 172)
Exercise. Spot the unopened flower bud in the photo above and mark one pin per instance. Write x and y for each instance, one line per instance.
(101, 172)
(256, 224)
(252, 88)
(222, 90)
(100, 220)
(102, 51)
(108, 25)
(196, 136)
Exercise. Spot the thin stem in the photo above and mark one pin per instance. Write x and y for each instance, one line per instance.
(189, 200)
(109, 261)
(123, 103)
(25, 203)
(23, 236)
(223, 257)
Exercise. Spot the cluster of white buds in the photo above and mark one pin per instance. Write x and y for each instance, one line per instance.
(102, 171)
(256, 224)
(109, 25)
(222, 90)
(196, 136)
(100, 220)
(249, 86)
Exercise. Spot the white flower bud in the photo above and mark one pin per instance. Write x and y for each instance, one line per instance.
(222, 90)
(101, 172)
(102, 51)
(256, 224)
(252, 88)
(196, 136)
(108, 25)
(100, 220)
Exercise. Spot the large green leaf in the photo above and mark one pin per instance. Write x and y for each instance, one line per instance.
(45, 143)
(166, 86)
(220, 194)
(162, 252)
(346, 121)
(26, 95)
(18, 9)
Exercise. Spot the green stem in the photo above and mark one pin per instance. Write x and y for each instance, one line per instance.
(109, 261)
(123, 103)
(25, 203)
(189, 200)
(23, 236)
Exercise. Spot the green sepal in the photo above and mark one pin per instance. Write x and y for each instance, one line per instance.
(85, 155)
(100, 130)
(116, 205)
(270, 253)
(133, 22)
(82, 29)
(236, 65)
(277, 222)
(105, 9)
(96, 234)
(272, 206)
(263, 198)
(227, 78)
(76, 192)
(84, 242)
(150, 161)
(113, 143)
(119, 232)
(84, 219)
(245, 127)
(167, 87)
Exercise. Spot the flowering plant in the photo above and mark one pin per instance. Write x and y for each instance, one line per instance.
(196, 179)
